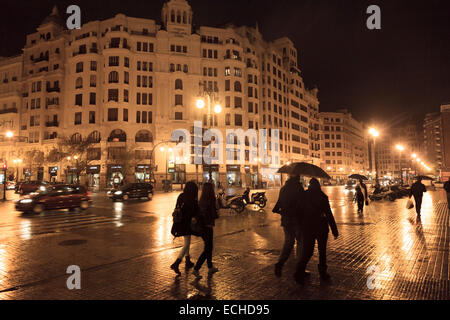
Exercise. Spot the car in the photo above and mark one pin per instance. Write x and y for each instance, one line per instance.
(55, 197)
(11, 185)
(30, 186)
(133, 191)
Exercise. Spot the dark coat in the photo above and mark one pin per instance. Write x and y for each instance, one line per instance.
(447, 186)
(291, 203)
(318, 219)
(417, 189)
(188, 210)
(208, 214)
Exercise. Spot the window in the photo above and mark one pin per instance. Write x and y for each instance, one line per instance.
(178, 115)
(227, 71)
(114, 61)
(138, 98)
(78, 118)
(79, 100)
(79, 67)
(127, 62)
(126, 78)
(228, 119)
(113, 114)
(92, 98)
(238, 72)
(93, 81)
(237, 102)
(178, 100)
(237, 86)
(79, 83)
(227, 85)
(113, 95)
(238, 120)
(125, 95)
(178, 84)
(93, 65)
(91, 116)
(125, 115)
(113, 77)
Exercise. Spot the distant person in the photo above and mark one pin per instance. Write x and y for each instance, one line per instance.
(207, 216)
(315, 225)
(417, 190)
(290, 207)
(188, 203)
(359, 199)
(246, 195)
(447, 189)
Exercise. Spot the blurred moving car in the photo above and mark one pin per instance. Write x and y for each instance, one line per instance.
(55, 197)
(11, 185)
(27, 187)
(132, 191)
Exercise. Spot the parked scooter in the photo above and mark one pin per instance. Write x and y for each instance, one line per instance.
(235, 202)
(258, 198)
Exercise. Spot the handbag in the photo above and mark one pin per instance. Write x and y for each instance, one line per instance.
(177, 227)
(197, 225)
(409, 204)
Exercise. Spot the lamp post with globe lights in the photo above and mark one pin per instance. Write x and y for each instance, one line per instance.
(400, 148)
(210, 96)
(374, 133)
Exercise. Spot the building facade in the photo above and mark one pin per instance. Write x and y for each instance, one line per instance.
(126, 84)
(344, 145)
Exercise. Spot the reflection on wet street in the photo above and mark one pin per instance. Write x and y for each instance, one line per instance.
(125, 249)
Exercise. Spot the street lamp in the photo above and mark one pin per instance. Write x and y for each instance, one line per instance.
(400, 148)
(9, 134)
(209, 94)
(374, 133)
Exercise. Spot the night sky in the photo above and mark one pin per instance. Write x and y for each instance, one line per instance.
(402, 69)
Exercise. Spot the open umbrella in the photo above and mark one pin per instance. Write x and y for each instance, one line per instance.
(304, 169)
(424, 178)
(358, 177)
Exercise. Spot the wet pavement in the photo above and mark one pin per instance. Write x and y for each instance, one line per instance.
(124, 251)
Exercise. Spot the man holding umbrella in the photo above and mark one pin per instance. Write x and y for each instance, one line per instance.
(417, 190)
(290, 206)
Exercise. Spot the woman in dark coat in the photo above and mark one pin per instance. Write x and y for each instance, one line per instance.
(315, 225)
(188, 203)
(207, 216)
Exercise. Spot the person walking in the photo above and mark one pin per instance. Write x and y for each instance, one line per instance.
(359, 199)
(290, 207)
(315, 225)
(187, 202)
(417, 190)
(447, 189)
(364, 191)
(207, 217)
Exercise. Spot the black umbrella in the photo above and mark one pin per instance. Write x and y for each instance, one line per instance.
(304, 169)
(424, 178)
(358, 177)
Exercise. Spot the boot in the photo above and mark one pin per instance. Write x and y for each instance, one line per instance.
(278, 269)
(175, 266)
(323, 272)
(189, 263)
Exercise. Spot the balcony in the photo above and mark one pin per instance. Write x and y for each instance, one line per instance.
(37, 60)
(232, 57)
(52, 124)
(9, 110)
(142, 33)
(55, 89)
(25, 94)
(93, 50)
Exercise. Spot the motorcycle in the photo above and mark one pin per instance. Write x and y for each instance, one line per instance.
(258, 198)
(235, 202)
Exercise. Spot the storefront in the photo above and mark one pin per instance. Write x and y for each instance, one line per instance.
(40, 174)
(114, 176)
(234, 176)
(72, 175)
(178, 173)
(214, 168)
(53, 173)
(26, 174)
(142, 173)
(93, 176)
(254, 177)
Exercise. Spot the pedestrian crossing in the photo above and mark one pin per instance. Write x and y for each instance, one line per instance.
(57, 222)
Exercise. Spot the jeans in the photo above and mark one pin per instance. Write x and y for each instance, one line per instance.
(208, 249)
(290, 234)
(308, 243)
(186, 247)
(418, 204)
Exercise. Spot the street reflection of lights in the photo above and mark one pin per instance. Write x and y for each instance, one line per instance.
(118, 210)
(25, 230)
